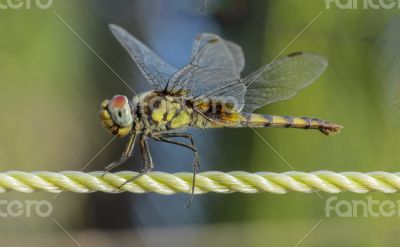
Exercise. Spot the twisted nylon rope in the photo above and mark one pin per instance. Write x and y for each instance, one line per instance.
(219, 182)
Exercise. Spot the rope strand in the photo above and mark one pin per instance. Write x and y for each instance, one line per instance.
(218, 182)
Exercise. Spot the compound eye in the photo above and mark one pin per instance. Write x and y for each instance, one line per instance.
(120, 111)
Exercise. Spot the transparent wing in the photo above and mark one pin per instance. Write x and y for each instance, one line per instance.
(216, 44)
(282, 79)
(157, 71)
(212, 72)
(237, 54)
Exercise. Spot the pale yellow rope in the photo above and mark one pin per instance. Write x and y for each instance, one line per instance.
(219, 182)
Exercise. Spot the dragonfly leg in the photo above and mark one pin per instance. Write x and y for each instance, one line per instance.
(125, 155)
(147, 160)
(196, 164)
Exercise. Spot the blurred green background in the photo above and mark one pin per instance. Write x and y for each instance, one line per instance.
(52, 85)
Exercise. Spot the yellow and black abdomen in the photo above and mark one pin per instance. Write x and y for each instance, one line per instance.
(259, 120)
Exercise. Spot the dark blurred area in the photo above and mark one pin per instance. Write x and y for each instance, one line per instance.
(58, 64)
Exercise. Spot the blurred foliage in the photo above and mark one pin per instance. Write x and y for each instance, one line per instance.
(52, 85)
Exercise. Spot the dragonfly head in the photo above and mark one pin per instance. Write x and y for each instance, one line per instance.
(116, 115)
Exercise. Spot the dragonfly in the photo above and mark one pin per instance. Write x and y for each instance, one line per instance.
(208, 92)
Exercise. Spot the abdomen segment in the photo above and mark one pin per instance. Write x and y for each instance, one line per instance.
(260, 120)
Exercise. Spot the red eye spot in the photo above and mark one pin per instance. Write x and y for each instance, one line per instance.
(118, 101)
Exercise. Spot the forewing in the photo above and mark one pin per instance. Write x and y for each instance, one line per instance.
(157, 71)
(282, 79)
(212, 72)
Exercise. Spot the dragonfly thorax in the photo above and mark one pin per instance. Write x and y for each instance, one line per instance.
(116, 115)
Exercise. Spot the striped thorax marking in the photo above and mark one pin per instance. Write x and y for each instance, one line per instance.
(164, 112)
